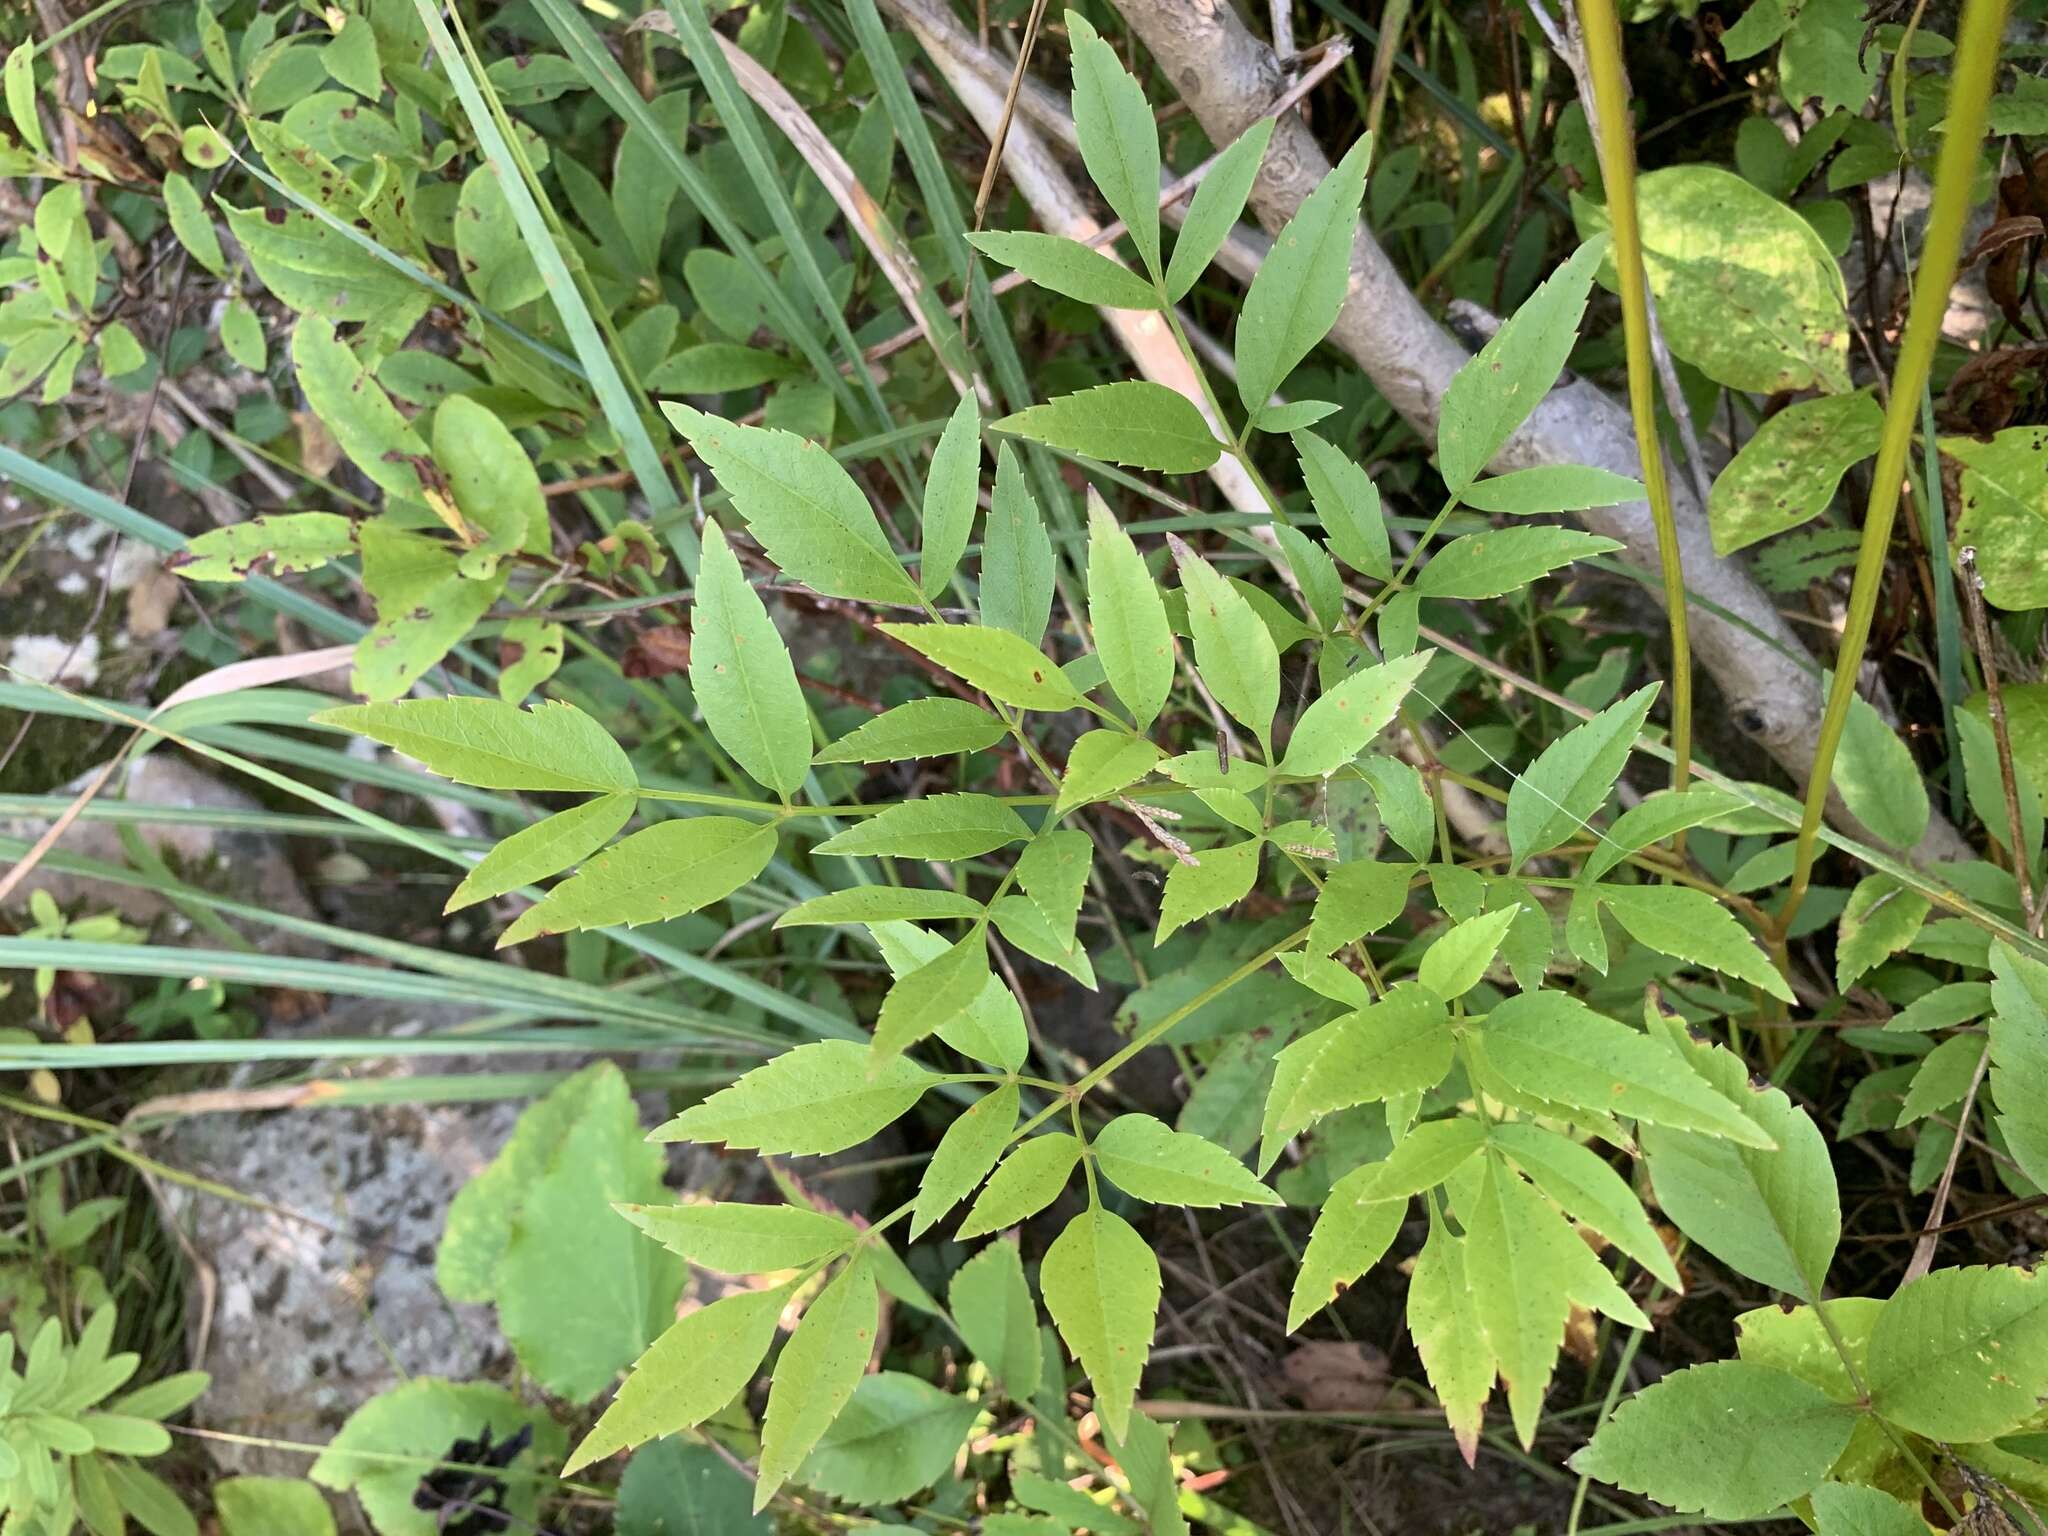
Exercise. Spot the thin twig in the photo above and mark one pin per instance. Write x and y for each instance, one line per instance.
(1994, 699)
(1930, 1233)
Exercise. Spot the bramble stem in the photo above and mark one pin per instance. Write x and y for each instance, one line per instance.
(1976, 63)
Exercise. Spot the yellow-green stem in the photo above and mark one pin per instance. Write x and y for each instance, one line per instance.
(1602, 32)
(1955, 174)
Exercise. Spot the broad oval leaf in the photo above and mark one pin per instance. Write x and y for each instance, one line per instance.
(896, 1435)
(284, 543)
(2003, 513)
(1961, 1354)
(1787, 472)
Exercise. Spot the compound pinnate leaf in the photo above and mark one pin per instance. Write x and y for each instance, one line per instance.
(816, 1373)
(1006, 668)
(992, 1304)
(1299, 288)
(1027, 1181)
(804, 509)
(1067, 267)
(1213, 211)
(1336, 727)
(1349, 1237)
(742, 676)
(921, 728)
(1147, 1158)
(896, 1435)
(694, 1369)
(810, 1100)
(1119, 142)
(283, 542)
(667, 870)
(1690, 925)
(1132, 421)
(1554, 1046)
(1786, 474)
(1572, 777)
(970, 1148)
(1100, 1280)
(495, 745)
(942, 827)
(271, 1506)
(1961, 1354)
(1127, 617)
(737, 1238)
(1494, 393)
(1730, 1440)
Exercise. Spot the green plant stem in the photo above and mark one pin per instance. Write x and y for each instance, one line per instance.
(1602, 30)
(1976, 64)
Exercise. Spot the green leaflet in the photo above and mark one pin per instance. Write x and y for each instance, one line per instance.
(1457, 960)
(1404, 803)
(1322, 588)
(1960, 1354)
(1555, 1047)
(1877, 777)
(678, 1487)
(1771, 1215)
(283, 542)
(2019, 1057)
(1296, 295)
(921, 728)
(546, 848)
(965, 1154)
(1527, 1267)
(811, 1100)
(1127, 617)
(1881, 919)
(694, 1369)
(364, 422)
(936, 996)
(1590, 1191)
(742, 676)
(896, 1435)
(1025, 1183)
(372, 1454)
(495, 745)
(1006, 668)
(949, 499)
(992, 1305)
(1217, 878)
(1067, 267)
(1234, 650)
(1841, 1509)
(880, 904)
(1016, 556)
(667, 870)
(1147, 1158)
(2003, 513)
(1402, 1044)
(1103, 763)
(804, 509)
(1338, 725)
(424, 608)
(1119, 144)
(816, 1373)
(1943, 1077)
(1347, 1240)
(735, 1238)
(1349, 505)
(1550, 488)
(1100, 1281)
(1571, 778)
(1730, 1439)
(1144, 1455)
(1132, 421)
(1655, 818)
(1213, 211)
(991, 1029)
(496, 489)
(1494, 393)
(1787, 472)
(271, 1506)
(1502, 560)
(1357, 899)
(1690, 925)
(1426, 1156)
(1443, 1317)
(189, 222)
(941, 827)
